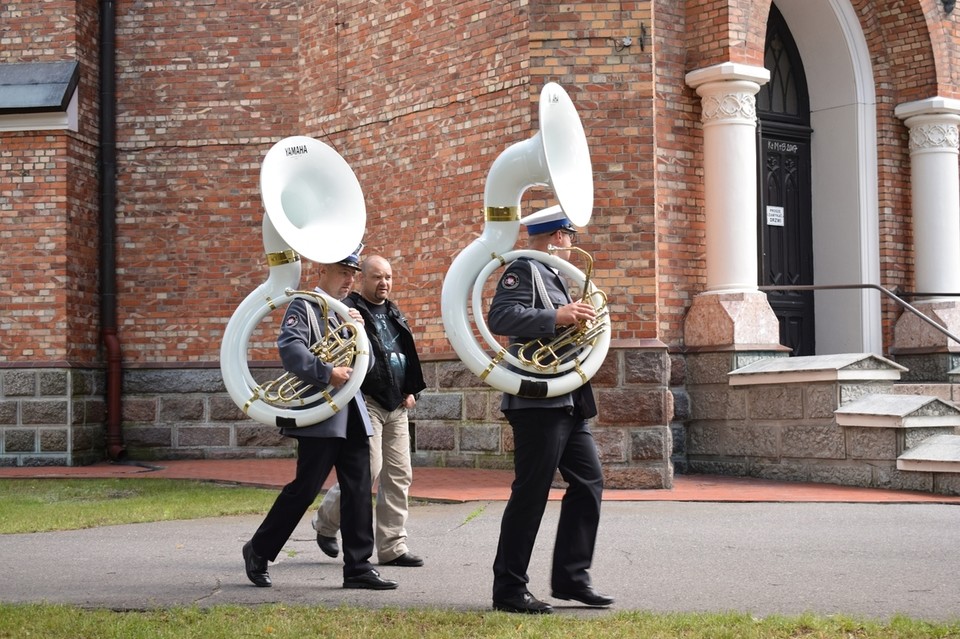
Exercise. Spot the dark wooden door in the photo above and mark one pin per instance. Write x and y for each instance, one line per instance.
(786, 238)
(784, 216)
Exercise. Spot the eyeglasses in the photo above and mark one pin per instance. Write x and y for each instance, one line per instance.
(570, 234)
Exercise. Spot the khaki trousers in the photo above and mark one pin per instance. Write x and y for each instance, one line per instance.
(391, 474)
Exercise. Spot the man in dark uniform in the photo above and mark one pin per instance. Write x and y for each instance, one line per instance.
(532, 301)
(340, 441)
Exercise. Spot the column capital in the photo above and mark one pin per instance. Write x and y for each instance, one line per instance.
(728, 72)
(930, 106)
(933, 134)
(935, 194)
(727, 92)
(932, 123)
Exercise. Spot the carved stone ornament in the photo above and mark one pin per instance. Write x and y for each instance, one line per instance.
(729, 106)
(934, 136)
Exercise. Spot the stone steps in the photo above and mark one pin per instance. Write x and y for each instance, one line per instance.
(897, 410)
(921, 423)
(917, 424)
(939, 453)
(936, 454)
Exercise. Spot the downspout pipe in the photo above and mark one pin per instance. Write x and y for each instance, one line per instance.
(108, 258)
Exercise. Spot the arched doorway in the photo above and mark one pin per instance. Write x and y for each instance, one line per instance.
(784, 223)
(843, 156)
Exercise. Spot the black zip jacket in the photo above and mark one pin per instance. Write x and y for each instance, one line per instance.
(379, 383)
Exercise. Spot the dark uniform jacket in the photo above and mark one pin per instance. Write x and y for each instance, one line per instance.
(379, 384)
(520, 312)
(294, 345)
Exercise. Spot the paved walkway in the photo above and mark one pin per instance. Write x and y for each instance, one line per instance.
(465, 484)
(709, 544)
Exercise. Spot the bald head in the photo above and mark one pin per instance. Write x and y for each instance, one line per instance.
(376, 279)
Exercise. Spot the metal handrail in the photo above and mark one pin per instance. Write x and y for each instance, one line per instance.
(922, 294)
(827, 287)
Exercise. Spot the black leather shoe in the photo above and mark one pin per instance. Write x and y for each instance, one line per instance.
(328, 545)
(587, 596)
(523, 603)
(370, 580)
(256, 567)
(406, 559)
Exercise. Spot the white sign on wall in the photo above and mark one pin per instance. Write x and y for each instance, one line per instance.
(774, 216)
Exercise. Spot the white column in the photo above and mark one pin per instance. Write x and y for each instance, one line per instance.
(729, 117)
(731, 312)
(935, 185)
(935, 209)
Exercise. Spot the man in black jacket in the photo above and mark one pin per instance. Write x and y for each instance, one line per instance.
(391, 389)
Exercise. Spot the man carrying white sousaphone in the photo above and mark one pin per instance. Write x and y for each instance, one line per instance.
(313, 208)
(555, 347)
(341, 441)
(531, 303)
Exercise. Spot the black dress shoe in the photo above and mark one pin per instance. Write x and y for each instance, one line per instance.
(328, 545)
(256, 567)
(406, 559)
(370, 580)
(523, 603)
(587, 596)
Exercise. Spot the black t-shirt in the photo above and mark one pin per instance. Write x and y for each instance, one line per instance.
(390, 338)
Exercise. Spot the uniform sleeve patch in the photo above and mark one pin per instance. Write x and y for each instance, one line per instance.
(292, 320)
(510, 281)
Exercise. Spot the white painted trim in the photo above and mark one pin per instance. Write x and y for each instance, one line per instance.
(845, 174)
(50, 121)
(807, 377)
(871, 321)
(866, 420)
(930, 106)
(928, 466)
(727, 72)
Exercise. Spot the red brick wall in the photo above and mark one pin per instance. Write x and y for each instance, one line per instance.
(204, 91)
(945, 40)
(680, 249)
(33, 225)
(49, 235)
(580, 45)
(905, 70)
(81, 257)
(418, 108)
(38, 31)
(420, 98)
(48, 197)
(910, 71)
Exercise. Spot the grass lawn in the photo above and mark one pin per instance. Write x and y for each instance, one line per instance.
(40, 505)
(55, 504)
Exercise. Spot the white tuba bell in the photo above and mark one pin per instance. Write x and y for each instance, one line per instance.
(558, 157)
(314, 207)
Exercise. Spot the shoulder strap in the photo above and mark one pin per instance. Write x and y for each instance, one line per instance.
(315, 333)
(538, 287)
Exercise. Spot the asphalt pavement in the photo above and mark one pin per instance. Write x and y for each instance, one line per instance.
(863, 560)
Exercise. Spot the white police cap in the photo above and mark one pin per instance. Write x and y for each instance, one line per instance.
(547, 221)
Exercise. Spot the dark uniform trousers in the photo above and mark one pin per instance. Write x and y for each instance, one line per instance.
(546, 439)
(316, 456)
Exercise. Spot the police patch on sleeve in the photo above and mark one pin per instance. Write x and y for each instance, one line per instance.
(510, 281)
(292, 320)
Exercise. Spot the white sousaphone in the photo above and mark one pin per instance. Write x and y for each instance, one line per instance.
(558, 157)
(313, 207)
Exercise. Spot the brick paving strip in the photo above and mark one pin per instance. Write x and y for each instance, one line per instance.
(469, 484)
